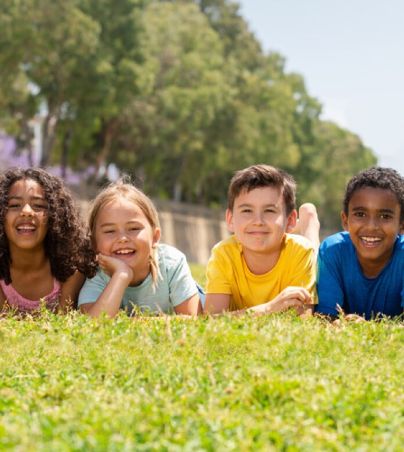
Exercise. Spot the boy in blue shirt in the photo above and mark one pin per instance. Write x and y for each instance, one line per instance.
(361, 270)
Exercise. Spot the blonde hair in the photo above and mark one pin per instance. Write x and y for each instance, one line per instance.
(122, 189)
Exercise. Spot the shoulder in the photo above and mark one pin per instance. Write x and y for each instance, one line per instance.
(336, 243)
(228, 246)
(93, 287)
(168, 256)
(400, 243)
(168, 252)
(2, 296)
(295, 242)
(99, 277)
(398, 252)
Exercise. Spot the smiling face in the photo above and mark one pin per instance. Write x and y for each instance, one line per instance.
(123, 231)
(259, 221)
(373, 223)
(26, 220)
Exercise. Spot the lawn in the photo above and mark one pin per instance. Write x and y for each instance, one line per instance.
(269, 383)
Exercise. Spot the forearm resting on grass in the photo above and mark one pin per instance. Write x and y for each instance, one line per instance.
(291, 297)
(110, 299)
(70, 292)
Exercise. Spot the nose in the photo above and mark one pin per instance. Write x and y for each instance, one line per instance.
(122, 237)
(27, 210)
(258, 218)
(373, 221)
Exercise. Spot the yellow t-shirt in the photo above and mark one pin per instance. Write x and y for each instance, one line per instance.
(228, 273)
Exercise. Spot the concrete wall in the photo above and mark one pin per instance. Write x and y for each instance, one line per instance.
(192, 229)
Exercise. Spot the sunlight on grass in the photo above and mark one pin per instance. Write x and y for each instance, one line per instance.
(276, 382)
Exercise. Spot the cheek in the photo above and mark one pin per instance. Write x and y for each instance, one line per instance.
(7, 219)
(100, 244)
(44, 222)
(8, 222)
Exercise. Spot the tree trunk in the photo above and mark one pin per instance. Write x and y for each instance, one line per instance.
(67, 138)
(48, 136)
(107, 134)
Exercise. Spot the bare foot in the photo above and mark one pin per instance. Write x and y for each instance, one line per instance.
(308, 224)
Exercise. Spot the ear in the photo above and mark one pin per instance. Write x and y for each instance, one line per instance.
(156, 236)
(291, 221)
(344, 220)
(229, 220)
(402, 227)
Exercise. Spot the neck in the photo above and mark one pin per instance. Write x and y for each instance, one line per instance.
(140, 276)
(27, 259)
(373, 268)
(260, 263)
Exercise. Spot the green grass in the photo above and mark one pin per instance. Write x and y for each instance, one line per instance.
(269, 383)
(198, 272)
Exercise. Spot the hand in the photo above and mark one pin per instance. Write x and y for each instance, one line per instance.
(354, 318)
(291, 297)
(111, 266)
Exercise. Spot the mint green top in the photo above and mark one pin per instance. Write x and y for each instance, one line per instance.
(174, 285)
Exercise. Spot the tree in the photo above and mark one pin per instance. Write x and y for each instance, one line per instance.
(77, 59)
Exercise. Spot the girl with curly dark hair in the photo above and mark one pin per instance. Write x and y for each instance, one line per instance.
(44, 249)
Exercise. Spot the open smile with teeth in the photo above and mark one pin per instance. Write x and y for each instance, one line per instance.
(125, 252)
(26, 228)
(370, 241)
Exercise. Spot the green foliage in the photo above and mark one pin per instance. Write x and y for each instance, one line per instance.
(178, 93)
(269, 383)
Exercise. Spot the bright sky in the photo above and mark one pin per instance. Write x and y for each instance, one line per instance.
(351, 55)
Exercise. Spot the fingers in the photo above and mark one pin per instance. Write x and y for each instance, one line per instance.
(299, 293)
(354, 318)
(112, 265)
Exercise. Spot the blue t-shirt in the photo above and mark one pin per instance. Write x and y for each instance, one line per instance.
(174, 285)
(342, 282)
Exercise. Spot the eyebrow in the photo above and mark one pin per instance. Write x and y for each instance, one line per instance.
(379, 210)
(250, 205)
(40, 198)
(109, 224)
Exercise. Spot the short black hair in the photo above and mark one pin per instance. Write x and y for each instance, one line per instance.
(377, 177)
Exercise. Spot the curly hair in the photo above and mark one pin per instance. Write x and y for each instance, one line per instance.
(377, 177)
(66, 243)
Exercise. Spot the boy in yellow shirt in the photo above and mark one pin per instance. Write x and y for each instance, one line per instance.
(261, 267)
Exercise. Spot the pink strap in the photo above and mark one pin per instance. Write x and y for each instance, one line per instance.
(22, 304)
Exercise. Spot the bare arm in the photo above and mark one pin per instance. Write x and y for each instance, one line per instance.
(2, 299)
(217, 303)
(192, 306)
(291, 297)
(110, 299)
(70, 291)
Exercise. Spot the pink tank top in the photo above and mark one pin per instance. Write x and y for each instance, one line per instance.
(24, 305)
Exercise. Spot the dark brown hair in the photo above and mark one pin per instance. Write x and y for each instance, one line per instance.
(258, 176)
(66, 243)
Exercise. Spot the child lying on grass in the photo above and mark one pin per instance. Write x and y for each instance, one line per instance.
(262, 268)
(361, 270)
(135, 270)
